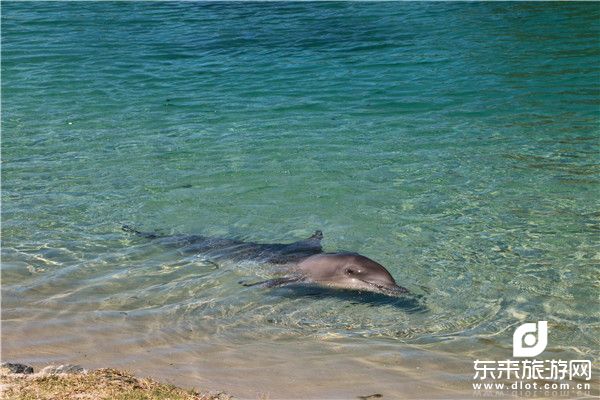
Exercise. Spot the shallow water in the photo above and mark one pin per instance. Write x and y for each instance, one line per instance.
(456, 144)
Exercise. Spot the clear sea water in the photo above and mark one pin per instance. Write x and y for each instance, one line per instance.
(455, 143)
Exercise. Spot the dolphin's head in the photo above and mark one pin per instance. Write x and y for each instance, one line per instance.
(349, 271)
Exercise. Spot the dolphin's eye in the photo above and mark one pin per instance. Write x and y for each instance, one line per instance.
(350, 271)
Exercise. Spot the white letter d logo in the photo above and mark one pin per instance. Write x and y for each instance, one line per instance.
(525, 341)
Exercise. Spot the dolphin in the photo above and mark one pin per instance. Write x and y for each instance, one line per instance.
(349, 271)
(304, 261)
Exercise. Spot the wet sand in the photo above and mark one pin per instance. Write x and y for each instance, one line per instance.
(331, 368)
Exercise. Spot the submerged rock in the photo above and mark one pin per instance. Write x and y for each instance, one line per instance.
(17, 368)
(371, 396)
(62, 369)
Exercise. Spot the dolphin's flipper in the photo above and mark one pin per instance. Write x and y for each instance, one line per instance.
(270, 283)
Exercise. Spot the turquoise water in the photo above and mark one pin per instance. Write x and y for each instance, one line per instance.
(456, 144)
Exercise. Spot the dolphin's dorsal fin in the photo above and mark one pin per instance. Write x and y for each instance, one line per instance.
(312, 244)
(313, 241)
(318, 235)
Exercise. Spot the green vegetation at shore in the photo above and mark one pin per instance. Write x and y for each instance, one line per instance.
(103, 383)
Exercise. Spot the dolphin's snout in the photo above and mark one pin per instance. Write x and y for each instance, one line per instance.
(389, 288)
(400, 289)
(394, 290)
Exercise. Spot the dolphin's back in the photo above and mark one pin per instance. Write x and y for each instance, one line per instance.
(237, 250)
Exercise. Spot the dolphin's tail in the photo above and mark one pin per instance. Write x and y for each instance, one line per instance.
(147, 235)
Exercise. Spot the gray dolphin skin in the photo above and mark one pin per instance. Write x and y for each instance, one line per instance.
(349, 271)
(303, 261)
